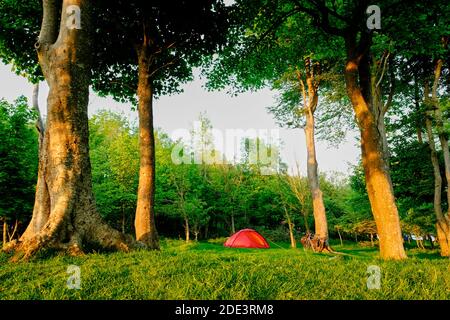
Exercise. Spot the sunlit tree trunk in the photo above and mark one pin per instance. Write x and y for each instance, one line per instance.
(186, 229)
(320, 219)
(65, 215)
(145, 213)
(310, 101)
(378, 180)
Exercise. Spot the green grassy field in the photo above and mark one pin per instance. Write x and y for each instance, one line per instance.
(207, 270)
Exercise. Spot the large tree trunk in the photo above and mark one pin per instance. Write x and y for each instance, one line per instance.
(145, 213)
(64, 214)
(378, 181)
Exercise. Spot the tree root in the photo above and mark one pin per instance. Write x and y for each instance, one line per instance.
(316, 244)
(150, 242)
(50, 238)
(9, 247)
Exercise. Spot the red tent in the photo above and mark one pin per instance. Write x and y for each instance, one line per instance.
(247, 238)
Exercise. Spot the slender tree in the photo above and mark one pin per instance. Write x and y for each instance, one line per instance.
(160, 43)
(274, 59)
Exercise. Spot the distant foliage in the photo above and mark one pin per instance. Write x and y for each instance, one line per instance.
(18, 160)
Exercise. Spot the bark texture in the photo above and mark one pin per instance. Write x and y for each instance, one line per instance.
(64, 215)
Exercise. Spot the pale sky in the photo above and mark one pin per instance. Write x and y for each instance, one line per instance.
(246, 111)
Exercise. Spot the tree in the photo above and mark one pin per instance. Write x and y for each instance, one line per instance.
(344, 27)
(424, 69)
(160, 43)
(419, 110)
(308, 82)
(64, 214)
(366, 227)
(187, 181)
(115, 167)
(433, 110)
(153, 36)
(274, 59)
(288, 187)
(227, 180)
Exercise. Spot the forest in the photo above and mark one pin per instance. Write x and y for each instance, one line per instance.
(197, 202)
(77, 185)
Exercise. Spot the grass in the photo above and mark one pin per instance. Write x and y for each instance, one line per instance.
(207, 270)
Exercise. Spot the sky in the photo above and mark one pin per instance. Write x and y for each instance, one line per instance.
(176, 113)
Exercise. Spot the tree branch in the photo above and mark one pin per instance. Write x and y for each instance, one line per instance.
(39, 123)
(384, 61)
(50, 22)
(391, 89)
(325, 10)
(321, 19)
(164, 66)
(275, 25)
